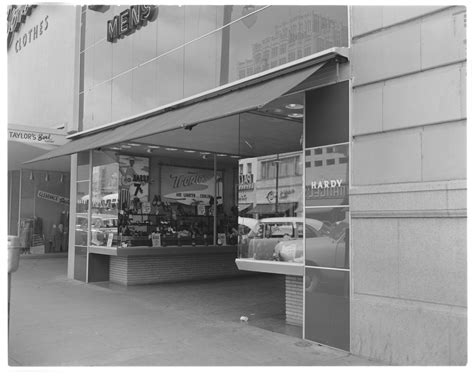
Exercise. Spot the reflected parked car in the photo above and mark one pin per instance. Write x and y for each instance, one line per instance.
(245, 227)
(271, 236)
(323, 248)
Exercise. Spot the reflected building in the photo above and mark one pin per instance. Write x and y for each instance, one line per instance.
(300, 36)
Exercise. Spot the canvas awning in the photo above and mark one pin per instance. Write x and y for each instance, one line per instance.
(234, 100)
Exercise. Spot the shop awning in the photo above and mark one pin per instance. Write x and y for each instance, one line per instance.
(233, 101)
(266, 209)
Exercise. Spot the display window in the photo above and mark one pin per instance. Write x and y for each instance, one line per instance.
(104, 202)
(136, 201)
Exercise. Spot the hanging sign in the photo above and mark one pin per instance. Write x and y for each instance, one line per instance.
(53, 197)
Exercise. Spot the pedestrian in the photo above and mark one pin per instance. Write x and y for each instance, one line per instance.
(26, 237)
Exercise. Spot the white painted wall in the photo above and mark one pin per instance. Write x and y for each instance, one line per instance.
(42, 77)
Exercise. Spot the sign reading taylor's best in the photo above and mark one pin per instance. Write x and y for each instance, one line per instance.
(130, 20)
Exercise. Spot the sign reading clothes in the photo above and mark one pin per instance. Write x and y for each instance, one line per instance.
(134, 180)
(327, 175)
(190, 186)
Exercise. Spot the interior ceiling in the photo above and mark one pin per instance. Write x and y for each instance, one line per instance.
(269, 130)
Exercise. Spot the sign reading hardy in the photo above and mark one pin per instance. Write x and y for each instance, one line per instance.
(130, 20)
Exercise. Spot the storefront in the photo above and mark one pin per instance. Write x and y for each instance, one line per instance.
(215, 141)
(38, 194)
(157, 194)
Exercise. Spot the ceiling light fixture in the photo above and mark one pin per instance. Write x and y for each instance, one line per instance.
(235, 156)
(153, 147)
(204, 152)
(132, 144)
(189, 151)
(294, 106)
(222, 155)
(295, 116)
(171, 149)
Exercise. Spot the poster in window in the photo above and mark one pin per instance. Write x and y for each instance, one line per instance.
(134, 180)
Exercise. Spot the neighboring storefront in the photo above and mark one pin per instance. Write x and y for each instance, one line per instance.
(42, 107)
(38, 195)
(218, 140)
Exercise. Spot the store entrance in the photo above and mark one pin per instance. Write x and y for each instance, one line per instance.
(220, 183)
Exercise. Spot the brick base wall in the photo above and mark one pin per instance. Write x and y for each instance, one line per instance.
(140, 270)
(294, 300)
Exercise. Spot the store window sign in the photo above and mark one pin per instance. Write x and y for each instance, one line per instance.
(53, 197)
(190, 186)
(130, 20)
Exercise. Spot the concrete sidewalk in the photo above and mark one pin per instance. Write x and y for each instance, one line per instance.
(59, 322)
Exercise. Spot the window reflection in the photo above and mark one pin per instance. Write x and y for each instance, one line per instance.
(170, 28)
(201, 19)
(104, 217)
(267, 39)
(281, 34)
(144, 91)
(170, 77)
(202, 64)
(270, 208)
(101, 104)
(327, 178)
(121, 97)
(327, 307)
(329, 245)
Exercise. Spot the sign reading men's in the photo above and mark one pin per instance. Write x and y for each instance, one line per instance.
(130, 20)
